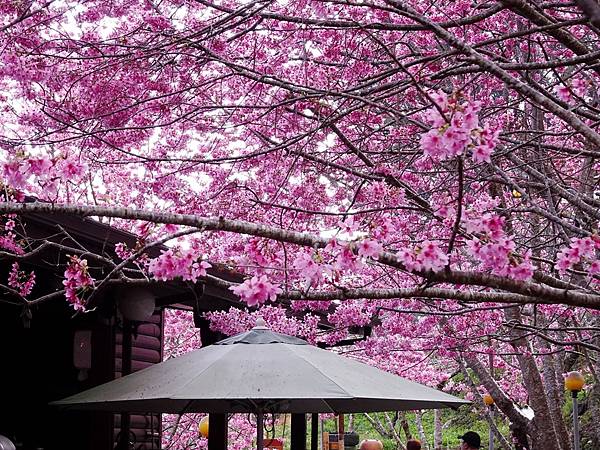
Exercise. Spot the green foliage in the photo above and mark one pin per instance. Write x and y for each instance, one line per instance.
(458, 423)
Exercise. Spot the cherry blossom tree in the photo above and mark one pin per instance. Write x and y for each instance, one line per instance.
(425, 168)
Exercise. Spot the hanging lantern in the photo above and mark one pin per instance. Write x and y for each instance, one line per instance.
(488, 399)
(136, 304)
(574, 381)
(203, 427)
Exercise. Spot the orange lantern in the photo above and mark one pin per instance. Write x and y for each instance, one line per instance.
(371, 444)
(488, 399)
(574, 381)
(203, 427)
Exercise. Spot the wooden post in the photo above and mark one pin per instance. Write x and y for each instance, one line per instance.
(260, 428)
(298, 430)
(314, 431)
(217, 432)
(126, 350)
(341, 432)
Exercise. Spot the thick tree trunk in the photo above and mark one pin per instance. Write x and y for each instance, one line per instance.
(504, 403)
(555, 398)
(594, 394)
(594, 425)
(541, 428)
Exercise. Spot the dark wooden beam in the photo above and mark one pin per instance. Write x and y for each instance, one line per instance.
(298, 439)
(217, 432)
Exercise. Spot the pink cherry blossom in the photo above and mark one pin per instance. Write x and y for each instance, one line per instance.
(563, 93)
(177, 262)
(14, 173)
(20, 281)
(368, 248)
(309, 269)
(458, 130)
(257, 290)
(77, 282)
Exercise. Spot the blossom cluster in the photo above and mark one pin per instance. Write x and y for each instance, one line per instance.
(77, 282)
(178, 262)
(456, 129)
(580, 250)
(123, 251)
(16, 171)
(257, 290)
(20, 281)
(564, 91)
(495, 249)
(8, 239)
(423, 257)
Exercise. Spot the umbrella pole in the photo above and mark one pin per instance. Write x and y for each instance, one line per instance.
(259, 431)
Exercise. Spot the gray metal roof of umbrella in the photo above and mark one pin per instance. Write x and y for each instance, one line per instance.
(260, 370)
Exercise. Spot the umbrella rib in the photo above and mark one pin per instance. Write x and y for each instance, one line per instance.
(319, 370)
(200, 373)
(330, 407)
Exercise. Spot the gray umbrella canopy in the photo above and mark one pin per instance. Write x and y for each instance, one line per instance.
(260, 371)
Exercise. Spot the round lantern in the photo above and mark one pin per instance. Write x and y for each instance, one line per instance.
(488, 399)
(203, 427)
(574, 381)
(371, 444)
(136, 303)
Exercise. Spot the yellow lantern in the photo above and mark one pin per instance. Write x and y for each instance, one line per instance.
(488, 399)
(574, 381)
(203, 427)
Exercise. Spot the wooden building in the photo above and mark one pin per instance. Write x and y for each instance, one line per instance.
(47, 352)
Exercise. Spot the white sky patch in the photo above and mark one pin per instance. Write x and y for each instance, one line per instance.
(179, 16)
(141, 172)
(98, 183)
(200, 182)
(329, 188)
(242, 176)
(238, 144)
(295, 180)
(312, 48)
(329, 142)
(292, 63)
(106, 26)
